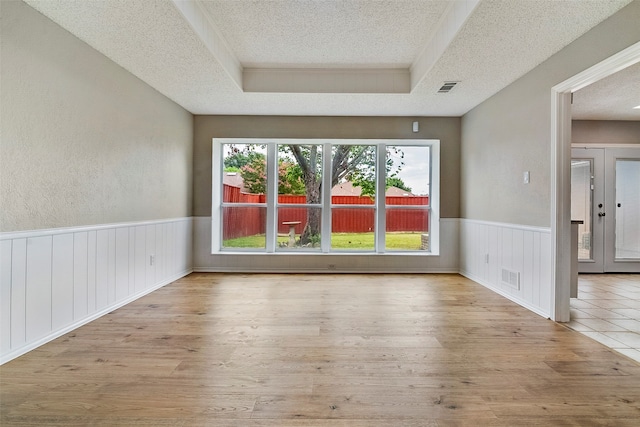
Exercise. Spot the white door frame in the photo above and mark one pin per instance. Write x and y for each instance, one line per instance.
(561, 172)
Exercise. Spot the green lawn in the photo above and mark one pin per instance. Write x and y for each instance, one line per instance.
(357, 241)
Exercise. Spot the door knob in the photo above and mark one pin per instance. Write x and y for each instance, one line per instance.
(601, 214)
(619, 205)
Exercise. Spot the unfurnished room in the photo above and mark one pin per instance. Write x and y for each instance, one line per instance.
(320, 213)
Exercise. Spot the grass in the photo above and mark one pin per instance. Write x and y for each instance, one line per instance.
(357, 241)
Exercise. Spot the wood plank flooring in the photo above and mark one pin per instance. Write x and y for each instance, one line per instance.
(321, 350)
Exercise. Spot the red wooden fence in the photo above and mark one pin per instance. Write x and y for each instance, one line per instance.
(242, 221)
(248, 221)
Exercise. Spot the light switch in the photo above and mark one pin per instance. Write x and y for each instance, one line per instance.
(525, 177)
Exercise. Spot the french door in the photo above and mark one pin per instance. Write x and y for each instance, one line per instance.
(605, 195)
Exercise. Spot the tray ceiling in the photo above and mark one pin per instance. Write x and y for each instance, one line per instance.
(327, 57)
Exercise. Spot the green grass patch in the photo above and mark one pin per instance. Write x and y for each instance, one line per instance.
(355, 241)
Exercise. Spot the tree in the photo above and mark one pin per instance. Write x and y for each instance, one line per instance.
(290, 178)
(355, 163)
(255, 177)
(240, 158)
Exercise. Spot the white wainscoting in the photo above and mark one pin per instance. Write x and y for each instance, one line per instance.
(446, 262)
(486, 248)
(54, 280)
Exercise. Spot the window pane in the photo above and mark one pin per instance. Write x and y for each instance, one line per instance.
(244, 179)
(243, 227)
(299, 173)
(353, 229)
(353, 172)
(408, 173)
(581, 171)
(407, 229)
(299, 228)
(338, 191)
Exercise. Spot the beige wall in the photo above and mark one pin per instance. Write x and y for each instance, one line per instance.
(447, 130)
(511, 132)
(83, 141)
(605, 132)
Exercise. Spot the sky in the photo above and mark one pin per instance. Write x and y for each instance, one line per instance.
(415, 171)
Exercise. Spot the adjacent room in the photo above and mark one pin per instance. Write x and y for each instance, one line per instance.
(319, 213)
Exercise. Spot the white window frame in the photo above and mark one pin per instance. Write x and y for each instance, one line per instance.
(272, 195)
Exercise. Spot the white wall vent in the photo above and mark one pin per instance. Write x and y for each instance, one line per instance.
(447, 87)
(511, 278)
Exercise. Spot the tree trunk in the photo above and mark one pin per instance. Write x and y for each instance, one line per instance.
(312, 227)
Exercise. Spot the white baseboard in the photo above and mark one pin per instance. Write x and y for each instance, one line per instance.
(326, 271)
(499, 291)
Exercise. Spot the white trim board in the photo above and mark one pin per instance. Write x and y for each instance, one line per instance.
(298, 270)
(55, 280)
(598, 145)
(64, 230)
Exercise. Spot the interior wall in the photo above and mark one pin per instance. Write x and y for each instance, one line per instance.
(510, 133)
(95, 183)
(447, 130)
(83, 140)
(605, 132)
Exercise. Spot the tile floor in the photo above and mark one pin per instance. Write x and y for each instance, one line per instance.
(608, 310)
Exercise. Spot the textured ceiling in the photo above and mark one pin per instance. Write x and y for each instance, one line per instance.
(326, 33)
(499, 42)
(611, 98)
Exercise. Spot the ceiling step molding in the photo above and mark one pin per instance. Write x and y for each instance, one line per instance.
(450, 24)
(326, 80)
(211, 37)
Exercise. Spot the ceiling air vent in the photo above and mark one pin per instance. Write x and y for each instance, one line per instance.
(447, 86)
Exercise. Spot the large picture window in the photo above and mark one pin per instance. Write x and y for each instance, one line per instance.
(325, 196)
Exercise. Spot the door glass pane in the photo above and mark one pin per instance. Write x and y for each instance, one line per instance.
(581, 204)
(628, 209)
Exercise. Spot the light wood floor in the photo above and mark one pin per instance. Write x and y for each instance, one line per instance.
(322, 350)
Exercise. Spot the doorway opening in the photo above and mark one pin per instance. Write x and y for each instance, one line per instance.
(561, 171)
